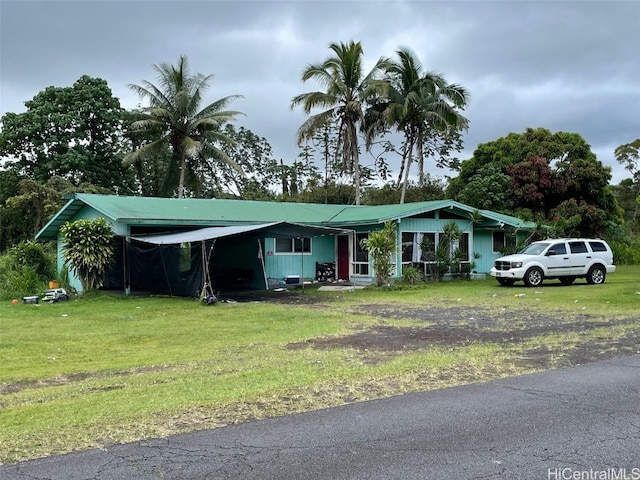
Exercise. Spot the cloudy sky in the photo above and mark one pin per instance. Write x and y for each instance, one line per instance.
(567, 66)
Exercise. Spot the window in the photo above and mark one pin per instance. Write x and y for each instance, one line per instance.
(428, 247)
(598, 246)
(418, 247)
(578, 247)
(499, 242)
(559, 248)
(407, 246)
(463, 245)
(293, 245)
(360, 257)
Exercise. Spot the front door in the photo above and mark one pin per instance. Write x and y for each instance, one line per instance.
(343, 257)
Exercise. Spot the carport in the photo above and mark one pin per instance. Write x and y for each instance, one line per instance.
(194, 262)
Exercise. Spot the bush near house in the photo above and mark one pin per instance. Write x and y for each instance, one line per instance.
(26, 269)
(88, 250)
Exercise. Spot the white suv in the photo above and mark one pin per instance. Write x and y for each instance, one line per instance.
(562, 258)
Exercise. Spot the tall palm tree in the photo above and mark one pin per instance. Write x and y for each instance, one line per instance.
(193, 134)
(420, 105)
(347, 90)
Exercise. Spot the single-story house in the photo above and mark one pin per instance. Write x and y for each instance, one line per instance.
(178, 246)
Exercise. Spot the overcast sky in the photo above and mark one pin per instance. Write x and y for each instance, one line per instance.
(567, 66)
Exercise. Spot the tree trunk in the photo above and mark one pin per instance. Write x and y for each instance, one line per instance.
(406, 178)
(406, 166)
(420, 154)
(183, 166)
(356, 176)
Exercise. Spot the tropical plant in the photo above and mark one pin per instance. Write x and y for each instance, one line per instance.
(382, 246)
(412, 275)
(347, 89)
(425, 109)
(193, 134)
(88, 250)
(446, 256)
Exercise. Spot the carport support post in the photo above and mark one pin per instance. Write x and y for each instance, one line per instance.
(126, 265)
(264, 270)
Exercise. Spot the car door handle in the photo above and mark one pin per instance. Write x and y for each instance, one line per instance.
(588, 256)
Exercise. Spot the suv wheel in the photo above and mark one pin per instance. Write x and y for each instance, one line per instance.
(567, 280)
(596, 275)
(507, 282)
(533, 277)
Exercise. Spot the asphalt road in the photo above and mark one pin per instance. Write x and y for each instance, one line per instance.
(581, 422)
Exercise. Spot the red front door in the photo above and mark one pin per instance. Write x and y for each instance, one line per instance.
(343, 257)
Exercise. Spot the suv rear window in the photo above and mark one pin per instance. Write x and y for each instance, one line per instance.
(598, 246)
(578, 247)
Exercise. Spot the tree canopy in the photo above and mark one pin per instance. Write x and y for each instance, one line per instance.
(550, 177)
(425, 108)
(347, 89)
(175, 117)
(71, 132)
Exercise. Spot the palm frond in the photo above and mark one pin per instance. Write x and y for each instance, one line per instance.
(314, 124)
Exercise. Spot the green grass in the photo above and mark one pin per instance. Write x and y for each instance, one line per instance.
(107, 369)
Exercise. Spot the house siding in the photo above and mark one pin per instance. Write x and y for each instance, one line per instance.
(483, 246)
(278, 266)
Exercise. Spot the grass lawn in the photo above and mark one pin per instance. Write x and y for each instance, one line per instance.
(108, 369)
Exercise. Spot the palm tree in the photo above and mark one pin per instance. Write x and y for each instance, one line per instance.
(421, 105)
(347, 90)
(192, 134)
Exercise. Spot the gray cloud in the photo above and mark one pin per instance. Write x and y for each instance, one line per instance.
(569, 66)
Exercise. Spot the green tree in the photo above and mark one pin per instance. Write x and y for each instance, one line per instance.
(382, 245)
(627, 195)
(488, 179)
(259, 172)
(151, 164)
(546, 170)
(628, 155)
(72, 132)
(431, 188)
(347, 89)
(194, 134)
(27, 211)
(425, 108)
(88, 250)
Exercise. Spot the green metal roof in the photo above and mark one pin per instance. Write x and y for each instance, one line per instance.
(222, 212)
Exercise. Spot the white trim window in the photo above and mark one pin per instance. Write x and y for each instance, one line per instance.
(289, 246)
(360, 265)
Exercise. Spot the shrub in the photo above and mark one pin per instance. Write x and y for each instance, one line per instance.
(25, 270)
(88, 250)
(35, 256)
(18, 280)
(626, 253)
(412, 275)
(381, 245)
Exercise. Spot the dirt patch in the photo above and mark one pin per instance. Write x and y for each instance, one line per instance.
(459, 326)
(15, 387)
